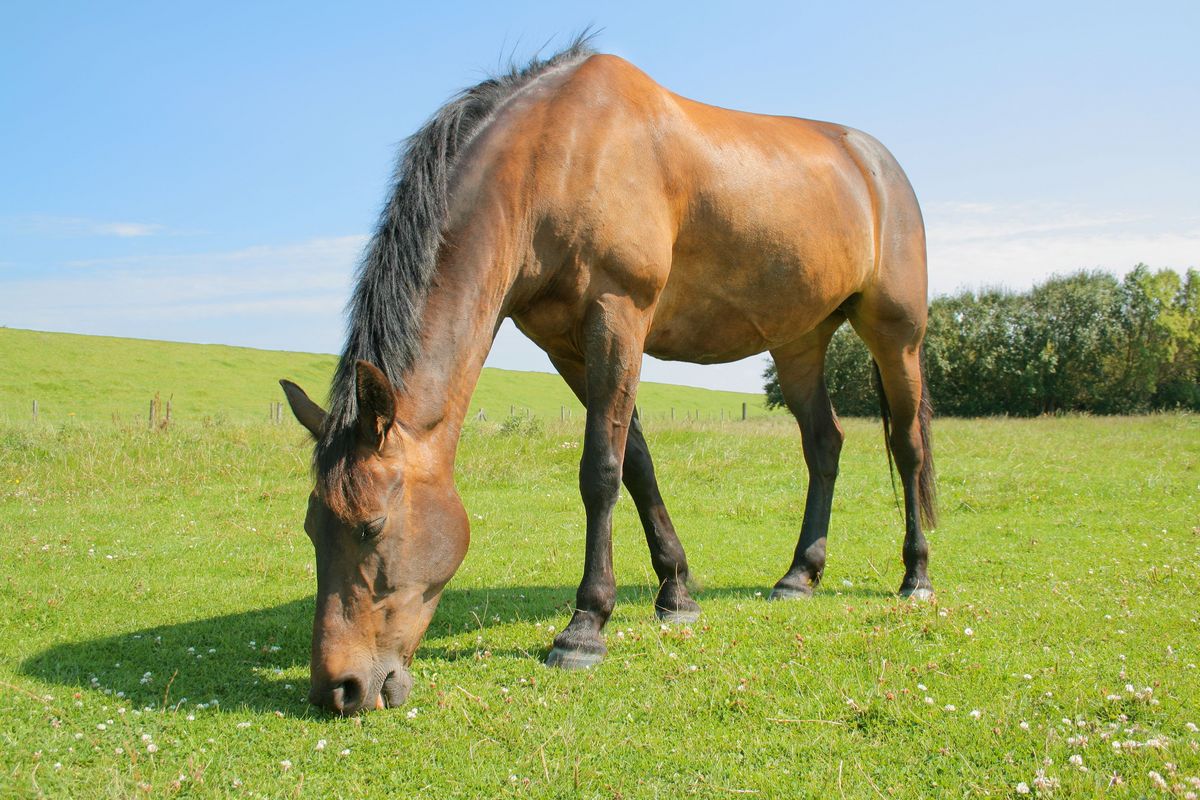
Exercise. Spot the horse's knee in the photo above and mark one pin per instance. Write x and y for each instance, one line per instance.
(599, 478)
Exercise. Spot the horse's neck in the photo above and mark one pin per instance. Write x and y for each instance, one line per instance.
(461, 313)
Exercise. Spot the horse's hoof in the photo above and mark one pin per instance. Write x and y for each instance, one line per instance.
(788, 593)
(562, 658)
(678, 616)
(918, 595)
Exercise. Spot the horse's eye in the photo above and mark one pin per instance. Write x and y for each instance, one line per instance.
(369, 530)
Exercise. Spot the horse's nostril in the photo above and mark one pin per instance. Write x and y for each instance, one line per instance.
(346, 696)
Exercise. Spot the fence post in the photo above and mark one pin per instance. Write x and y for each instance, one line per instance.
(168, 418)
(672, 413)
(743, 412)
(481, 416)
(35, 410)
(151, 417)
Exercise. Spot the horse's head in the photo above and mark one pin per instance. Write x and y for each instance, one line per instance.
(389, 531)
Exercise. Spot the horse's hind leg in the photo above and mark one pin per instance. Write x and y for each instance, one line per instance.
(673, 603)
(801, 368)
(895, 341)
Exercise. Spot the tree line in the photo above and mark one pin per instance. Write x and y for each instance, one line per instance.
(1085, 342)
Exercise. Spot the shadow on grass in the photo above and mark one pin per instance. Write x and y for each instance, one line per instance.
(258, 659)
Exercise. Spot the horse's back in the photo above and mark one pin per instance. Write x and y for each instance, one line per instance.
(765, 223)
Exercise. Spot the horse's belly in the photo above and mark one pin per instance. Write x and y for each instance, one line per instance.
(710, 313)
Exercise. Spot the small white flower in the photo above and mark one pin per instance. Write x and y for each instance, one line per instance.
(412, 713)
(976, 713)
(152, 748)
(1024, 725)
(1076, 760)
(345, 752)
(968, 632)
(101, 726)
(1022, 788)
(948, 707)
(285, 764)
(321, 744)
(243, 724)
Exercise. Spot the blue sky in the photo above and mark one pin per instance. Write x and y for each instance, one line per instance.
(209, 172)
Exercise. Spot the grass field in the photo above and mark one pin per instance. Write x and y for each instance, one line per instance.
(154, 622)
(103, 378)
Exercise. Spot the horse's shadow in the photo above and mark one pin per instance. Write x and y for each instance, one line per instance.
(258, 660)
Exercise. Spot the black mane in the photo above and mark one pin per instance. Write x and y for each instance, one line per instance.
(393, 279)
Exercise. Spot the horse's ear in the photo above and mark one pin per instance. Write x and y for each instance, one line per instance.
(376, 403)
(310, 415)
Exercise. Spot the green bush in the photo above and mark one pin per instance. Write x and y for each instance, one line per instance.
(1084, 342)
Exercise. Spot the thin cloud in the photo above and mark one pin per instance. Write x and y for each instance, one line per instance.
(73, 227)
(287, 296)
(972, 245)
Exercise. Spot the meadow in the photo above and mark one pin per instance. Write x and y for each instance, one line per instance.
(157, 603)
(110, 379)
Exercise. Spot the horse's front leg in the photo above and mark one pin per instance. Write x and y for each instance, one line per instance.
(613, 335)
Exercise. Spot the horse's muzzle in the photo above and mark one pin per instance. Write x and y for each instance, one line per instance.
(382, 687)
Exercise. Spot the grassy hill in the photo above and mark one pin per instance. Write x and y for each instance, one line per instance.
(106, 378)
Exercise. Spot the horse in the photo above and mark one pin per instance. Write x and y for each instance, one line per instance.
(607, 217)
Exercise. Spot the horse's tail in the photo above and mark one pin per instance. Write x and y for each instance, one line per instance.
(927, 479)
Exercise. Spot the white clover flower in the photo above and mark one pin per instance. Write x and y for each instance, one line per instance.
(321, 744)
(285, 764)
(976, 713)
(1022, 788)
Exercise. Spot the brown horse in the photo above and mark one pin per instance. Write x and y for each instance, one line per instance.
(608, 218)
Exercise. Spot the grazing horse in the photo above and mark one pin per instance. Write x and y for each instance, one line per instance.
(608, 218)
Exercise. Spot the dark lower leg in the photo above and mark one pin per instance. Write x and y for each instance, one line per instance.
(580, 643)
(822, 448)
(801, 377)
(915, 552)
(614, 336)
(901, 376)
(673, 603)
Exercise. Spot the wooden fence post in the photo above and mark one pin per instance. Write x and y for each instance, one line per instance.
(35, 410)
(151, 416)
(743, 412)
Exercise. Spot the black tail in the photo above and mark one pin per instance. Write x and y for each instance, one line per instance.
(927, 479)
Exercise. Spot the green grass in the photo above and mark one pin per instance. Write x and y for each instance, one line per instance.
(104, 378)
(144, 568)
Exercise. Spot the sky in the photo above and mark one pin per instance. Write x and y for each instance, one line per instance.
(210, 172)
